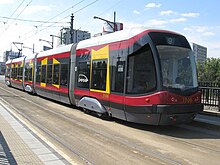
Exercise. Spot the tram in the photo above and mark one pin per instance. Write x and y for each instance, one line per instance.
(139, 75)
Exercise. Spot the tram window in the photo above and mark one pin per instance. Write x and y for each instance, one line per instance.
(49, 74)
(16, 73)
(38, 74)
(20, 71)
(117, 73)
(64, 75)
(43, 73)
(30, 74)
(26, 73)
(7, 72)
(13, 73)
(83, 74)
(56, 73)
(141, 76)
(99, 72)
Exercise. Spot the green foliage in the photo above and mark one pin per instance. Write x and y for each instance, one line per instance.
(209, 71)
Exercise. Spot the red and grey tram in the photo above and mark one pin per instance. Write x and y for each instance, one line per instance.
(139, 75)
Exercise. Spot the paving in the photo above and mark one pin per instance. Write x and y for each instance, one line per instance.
(19, 145)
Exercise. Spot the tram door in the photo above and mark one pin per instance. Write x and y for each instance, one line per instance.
(100, 73)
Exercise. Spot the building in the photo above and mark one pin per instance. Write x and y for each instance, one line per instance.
(200, 52)
(109, 27)
(2, 68)
(10, 55)
(78, 35)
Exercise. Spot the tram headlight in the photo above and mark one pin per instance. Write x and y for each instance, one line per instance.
(174, 100)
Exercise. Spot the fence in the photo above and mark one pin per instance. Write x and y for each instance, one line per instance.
(210, 94)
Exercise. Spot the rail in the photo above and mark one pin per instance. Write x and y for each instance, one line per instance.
(210, 94)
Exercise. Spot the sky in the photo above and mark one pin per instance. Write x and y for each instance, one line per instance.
(26, 21)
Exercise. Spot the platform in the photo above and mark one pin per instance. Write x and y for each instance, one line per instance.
(19, 145)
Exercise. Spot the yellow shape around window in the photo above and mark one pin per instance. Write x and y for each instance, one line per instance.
(102, 53)
(57, 86)
(43, 84)
(44, 61)
(55, 61)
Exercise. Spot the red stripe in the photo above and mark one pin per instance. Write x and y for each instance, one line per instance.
(17, 81)
(52, 88)
(81, 92)
(162, 97)
(119, 44)
(28, 83)
(57, 56)
(113, 45)
(19, 63)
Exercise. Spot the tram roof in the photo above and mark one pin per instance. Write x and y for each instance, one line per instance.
(95, 41)
(112, 37)
(31, 56)
(61, 49)
(20, 59)
(8, 62)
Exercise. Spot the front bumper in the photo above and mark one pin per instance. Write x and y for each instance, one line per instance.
(164, 114)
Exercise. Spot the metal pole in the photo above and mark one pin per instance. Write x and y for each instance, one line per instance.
(33, 48)
(61, 37)
(219, 99)
(52, 41)
(71, 28)
(114, 21)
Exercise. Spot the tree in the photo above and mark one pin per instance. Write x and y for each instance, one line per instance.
(209, 71)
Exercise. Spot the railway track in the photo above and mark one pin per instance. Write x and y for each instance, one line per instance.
(142, 153)
(115, 138)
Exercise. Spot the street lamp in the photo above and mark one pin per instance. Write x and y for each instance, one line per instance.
(108, 22)
(25, 47)
(49, 42)
(55, 36)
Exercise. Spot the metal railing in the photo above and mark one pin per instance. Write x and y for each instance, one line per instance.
(210, 94)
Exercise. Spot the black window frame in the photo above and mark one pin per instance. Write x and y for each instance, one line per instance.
(49, 74)
(43, 74)
(118, 75)
(38, 74)
(64, 74)
(83, 74)
(139, 84)
(99, 74)
(56, 77)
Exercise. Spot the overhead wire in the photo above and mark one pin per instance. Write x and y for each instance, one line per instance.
(14, 12)
(50, 20)
(28, 20)
(17, 16)
(62, 18)
(72, 13)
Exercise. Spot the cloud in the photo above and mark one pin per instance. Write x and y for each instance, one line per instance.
(167, 12)
(202, 30)
(192, 15)
(156, 22)
(6, 2)
(199, 29)
(178, 20)
(208, 34)
(37, 8)
(152, 5)
(136, 12)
